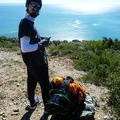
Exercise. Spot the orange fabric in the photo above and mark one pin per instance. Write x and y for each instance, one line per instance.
(58, 80)
(76, 88)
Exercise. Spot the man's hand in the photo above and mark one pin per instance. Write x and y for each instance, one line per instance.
(44, 41)
(47, 38)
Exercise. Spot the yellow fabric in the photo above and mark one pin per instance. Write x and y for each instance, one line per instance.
(58, 80)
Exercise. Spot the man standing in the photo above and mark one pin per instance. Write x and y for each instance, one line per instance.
(32, 47)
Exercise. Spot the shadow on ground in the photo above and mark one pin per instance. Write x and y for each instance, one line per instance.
(27, 115)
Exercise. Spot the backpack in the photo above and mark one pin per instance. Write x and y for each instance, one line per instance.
(88, 112)
(65, 96)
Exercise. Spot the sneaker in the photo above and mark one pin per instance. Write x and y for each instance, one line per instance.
(33, 107)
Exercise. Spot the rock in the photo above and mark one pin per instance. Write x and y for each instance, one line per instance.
(18, 84)
(15, 110)
(10, 104)
(109, 118)
(14, 113)
(1, 113)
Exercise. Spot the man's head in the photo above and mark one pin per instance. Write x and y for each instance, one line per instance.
(33, 7)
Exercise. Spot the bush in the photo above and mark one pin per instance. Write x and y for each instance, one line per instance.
(114, 87)
(9, 43)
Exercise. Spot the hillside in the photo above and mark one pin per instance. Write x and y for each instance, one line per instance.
(13, 87)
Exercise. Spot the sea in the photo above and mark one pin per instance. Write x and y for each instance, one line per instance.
(61, 23)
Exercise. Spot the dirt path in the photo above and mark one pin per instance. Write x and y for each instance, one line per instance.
(13, 86)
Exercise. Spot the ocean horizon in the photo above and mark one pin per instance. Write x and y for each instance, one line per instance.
(62, 24)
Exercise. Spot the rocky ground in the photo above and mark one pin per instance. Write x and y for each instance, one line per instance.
(13, 97)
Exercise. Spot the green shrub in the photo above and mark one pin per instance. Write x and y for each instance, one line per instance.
(54, 50)
(9, 43)
(114, 87)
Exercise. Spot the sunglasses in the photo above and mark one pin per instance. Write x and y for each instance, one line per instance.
(35, 6)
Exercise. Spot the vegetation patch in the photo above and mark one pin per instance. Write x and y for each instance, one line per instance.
(99, 59)
(10, 44)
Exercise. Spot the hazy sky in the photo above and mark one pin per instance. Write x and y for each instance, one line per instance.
(82, 5)
(66, 1)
